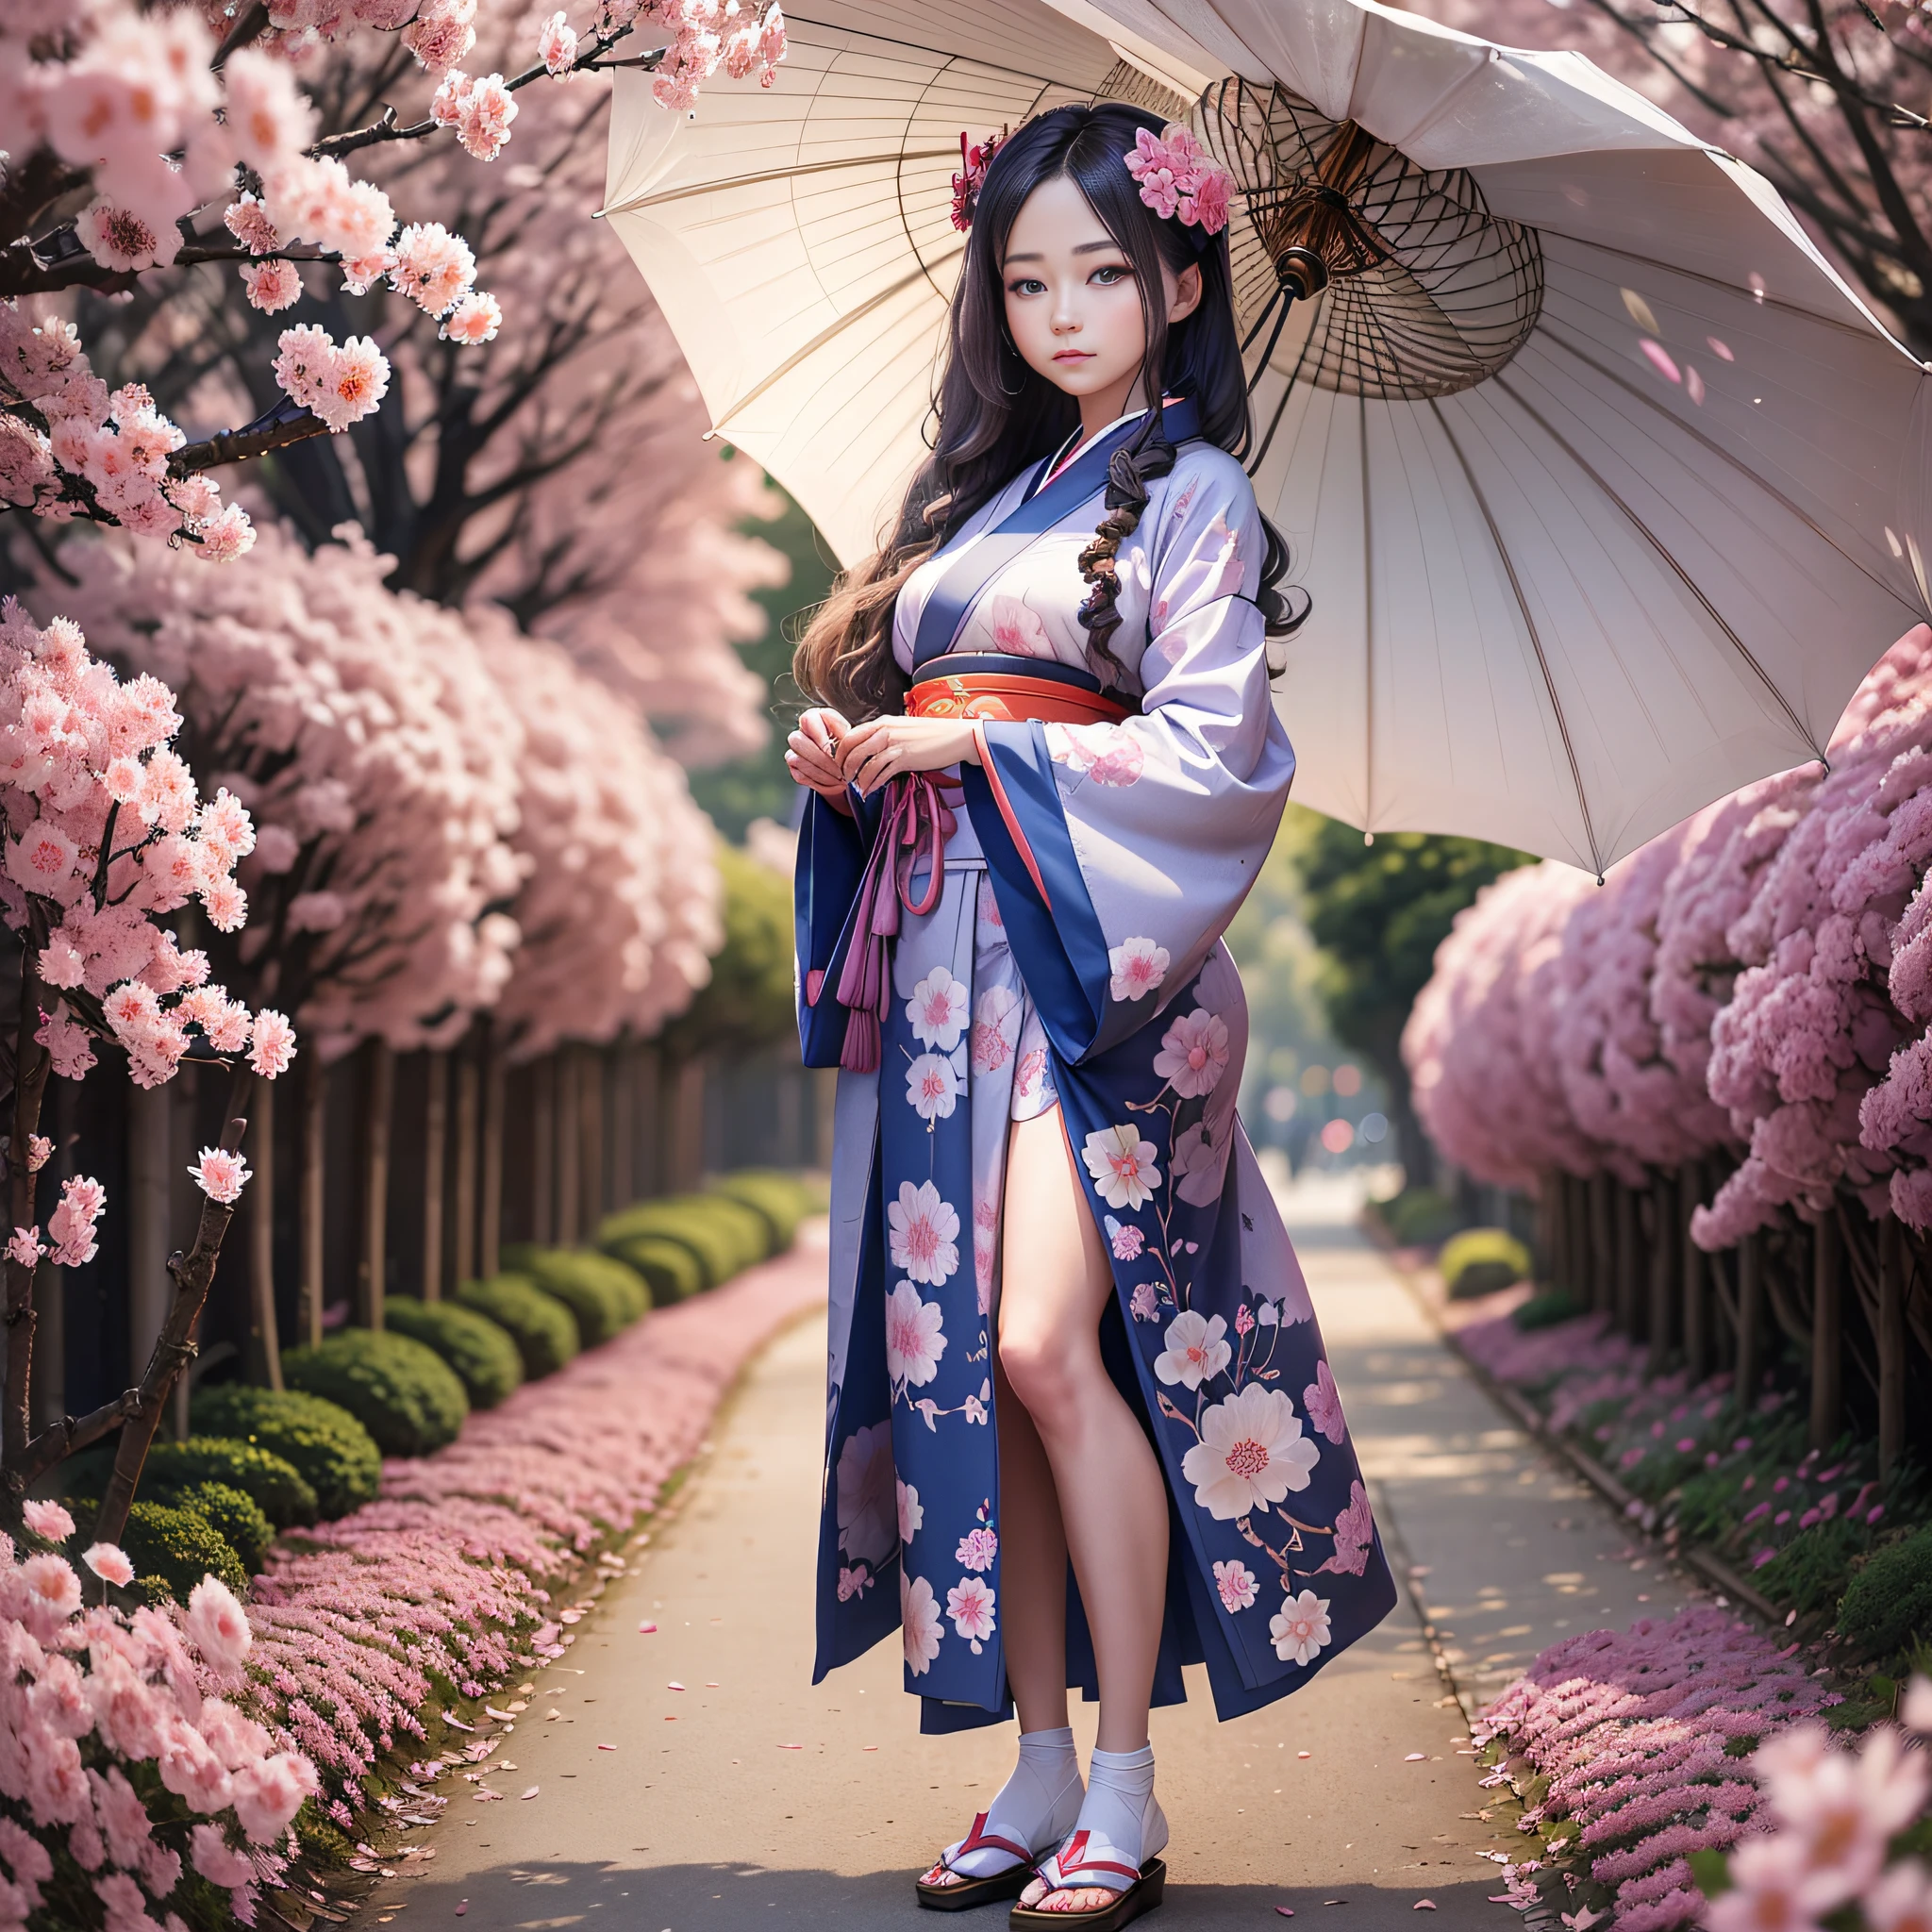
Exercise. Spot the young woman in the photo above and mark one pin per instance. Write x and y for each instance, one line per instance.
(1067, 1324)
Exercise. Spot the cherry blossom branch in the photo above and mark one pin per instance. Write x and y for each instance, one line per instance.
(174, 1347)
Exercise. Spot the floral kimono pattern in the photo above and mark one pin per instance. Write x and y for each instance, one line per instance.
(1070, 956)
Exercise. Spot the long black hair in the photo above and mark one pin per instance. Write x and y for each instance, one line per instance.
(995, 415)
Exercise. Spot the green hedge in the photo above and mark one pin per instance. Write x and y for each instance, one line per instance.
(269, 1481)
(544, 1331)
(723, 1236)
(781, 1199)
(405, 1394)
(172, 1549)
(334, 1454)
(483, 1352)
(669, 1268)
(604, 1295)
(233, 1515)
(1481, 1260)
(1888, 1605)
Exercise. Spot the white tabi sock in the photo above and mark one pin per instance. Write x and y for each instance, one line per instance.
(1120, 1806)
(1035, 1807)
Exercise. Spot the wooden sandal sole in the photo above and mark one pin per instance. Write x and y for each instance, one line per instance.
(969, 1892)
(1143, 1895)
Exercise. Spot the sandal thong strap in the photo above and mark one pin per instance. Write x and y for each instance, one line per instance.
(1088, 1852)
(980, 1840)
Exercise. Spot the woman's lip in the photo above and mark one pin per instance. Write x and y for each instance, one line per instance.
(1074, 355)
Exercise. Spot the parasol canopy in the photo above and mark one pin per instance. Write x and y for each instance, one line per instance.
(1605, 488)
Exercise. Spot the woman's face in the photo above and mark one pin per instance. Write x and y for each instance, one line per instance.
(1073, 305)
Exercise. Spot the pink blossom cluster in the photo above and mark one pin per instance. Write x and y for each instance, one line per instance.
(1758, 978)
(87, 1695)
(450, 1573)
(105, 836)
(69, 448)
(1833, 1813)
(1630, 1731)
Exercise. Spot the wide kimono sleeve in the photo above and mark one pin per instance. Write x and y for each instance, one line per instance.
(833, 847)
(1119, 853)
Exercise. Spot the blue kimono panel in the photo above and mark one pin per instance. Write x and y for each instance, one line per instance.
(1069, 953)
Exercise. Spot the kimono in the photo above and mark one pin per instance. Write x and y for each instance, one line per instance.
(1066, 950)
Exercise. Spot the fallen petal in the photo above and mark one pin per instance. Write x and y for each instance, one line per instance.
(607, 1747)
(673, 1685)
(791, 1747)
(463, 1907)
(532, 1791)
(1416, 1758)
(1286, 1911)
(1424, 1904)
(647, 1629)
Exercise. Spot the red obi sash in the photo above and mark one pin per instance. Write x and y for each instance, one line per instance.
(992, 685)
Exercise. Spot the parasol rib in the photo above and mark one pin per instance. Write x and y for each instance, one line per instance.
(1557, 333)
(1536, 642)
(829, 334)
(1662, 551)
(766, 175)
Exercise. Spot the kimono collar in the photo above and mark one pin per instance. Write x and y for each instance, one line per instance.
(956, 592)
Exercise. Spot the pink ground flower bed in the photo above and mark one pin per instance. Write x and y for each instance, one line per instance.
(1639, 1741)
(442, 1585)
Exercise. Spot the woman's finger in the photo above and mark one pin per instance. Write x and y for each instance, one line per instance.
(877, 768)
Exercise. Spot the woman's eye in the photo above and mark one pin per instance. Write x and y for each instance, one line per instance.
(1108, 276)
(1027, 285)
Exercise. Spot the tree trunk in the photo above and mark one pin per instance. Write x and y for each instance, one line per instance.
(467, 1154)
(647, 1136)
(265, 1337)
(1750, 1370)
(567, 1066)
(1827, 1337)
(590, 1144)
(311, 1201)
(1629, 1261)
(150, 1174)
(1695, 1270)
(1893, 1272)
(142, 1406)
(1602, 1244)
(378, 1094)
(623, 1117)
(1663, 1270)
(687, 1140)
(435, 1136)
(490, 1176)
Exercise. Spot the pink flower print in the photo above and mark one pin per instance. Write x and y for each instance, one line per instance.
(937, 1010)
(978, 1548)
(1252, 1452)
(865, 1508)
(1300, 1628)
(1193, 1054)
(1323, 1404)
(1243, 1320)
(911, 1512)
(932, 1089)
(970, 1606)
(1197, 1165)
(1195, 1351)
(1139, 966)
(914, 1337)
(1026, 1076)
(1121, 1160)
(1145, 1303)
(918, 1623)
(1123, 765)
(1125, 1242)
(996, 1029)
(852, 1582)
(1354, 1530)
(985, 1248)
(973, 1407)
(987, 908)
(924, 1234)
(1237, 1584)
(1108, 753)
(1017, 629)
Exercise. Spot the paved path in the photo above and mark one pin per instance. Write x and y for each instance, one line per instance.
(749, 1798)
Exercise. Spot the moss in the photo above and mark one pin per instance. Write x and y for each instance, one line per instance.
(1480, 1260)
(1887, 1608)
(334, 1454)
(482, 1352)
(405, 1395)
(603, 1294)
(233, 1515)
(544, 1331)
(1810, 1572)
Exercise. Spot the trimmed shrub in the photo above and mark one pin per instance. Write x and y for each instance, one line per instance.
(782, 1200)
(1888, 1604)
(173, 1549)
(669, 1270)
(1550, 1310)
(1480, 1260)
(405, 1395)
(603, 1293)
(544, 1331)
(334, 1454)
(1419, 1217)
(272, 1483)
(724, 1236)
(233, 1515)
(481, 1352)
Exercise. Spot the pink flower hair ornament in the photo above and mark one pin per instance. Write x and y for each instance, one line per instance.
(975, 159)
(1178, 179)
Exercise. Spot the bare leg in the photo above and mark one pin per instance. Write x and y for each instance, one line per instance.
(1056, 1282)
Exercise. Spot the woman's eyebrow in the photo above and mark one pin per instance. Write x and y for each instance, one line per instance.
(1107, 246)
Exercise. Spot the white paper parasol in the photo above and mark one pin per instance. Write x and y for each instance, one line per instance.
(1604, 486)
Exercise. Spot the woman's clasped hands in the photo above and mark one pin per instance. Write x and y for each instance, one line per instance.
(826, 754)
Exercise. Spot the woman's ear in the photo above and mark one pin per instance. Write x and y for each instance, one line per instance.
(1187, 295)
